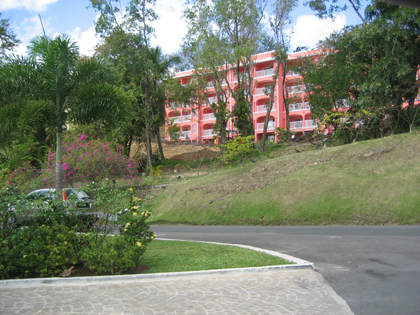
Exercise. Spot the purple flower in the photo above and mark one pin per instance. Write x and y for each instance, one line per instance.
(82, 138)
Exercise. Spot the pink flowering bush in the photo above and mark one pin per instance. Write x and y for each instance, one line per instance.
(90, 161)
(23, 178)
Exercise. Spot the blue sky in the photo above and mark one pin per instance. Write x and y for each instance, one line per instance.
(72, 17)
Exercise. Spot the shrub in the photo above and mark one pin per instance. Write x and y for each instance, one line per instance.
(115, 254)
(240, 147)
(48, 245)
(91, 161)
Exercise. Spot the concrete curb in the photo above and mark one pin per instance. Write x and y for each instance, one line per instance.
(299, 265)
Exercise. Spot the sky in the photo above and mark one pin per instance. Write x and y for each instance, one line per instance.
(73, 18)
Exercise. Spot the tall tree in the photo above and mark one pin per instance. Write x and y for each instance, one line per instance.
(127, 43)
(53, 79)
(8, 39)
(327, 9)
(224, 35)
(372, 69)
(279, 21)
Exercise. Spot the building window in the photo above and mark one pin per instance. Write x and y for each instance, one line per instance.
(194, 129)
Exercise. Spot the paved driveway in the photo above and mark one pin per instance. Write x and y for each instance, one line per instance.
(252, 292)
(376, 269)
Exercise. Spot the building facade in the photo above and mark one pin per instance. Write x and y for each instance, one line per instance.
(197, 125)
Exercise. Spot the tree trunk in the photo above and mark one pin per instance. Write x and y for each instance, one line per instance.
(59, 167)
(160, 143)
(149, 157)
(59, 151)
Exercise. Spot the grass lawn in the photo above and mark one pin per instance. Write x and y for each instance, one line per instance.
(367, 182)
(176, 256)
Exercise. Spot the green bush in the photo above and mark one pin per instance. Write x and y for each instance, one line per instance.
(48, 244)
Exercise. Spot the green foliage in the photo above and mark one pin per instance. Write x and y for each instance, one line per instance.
(173, 129)
(241, 115)
(240, 147)
(282, 134)
(48, 244)
(121, 252)
(156, 171)
(378, 65)
(7, 38)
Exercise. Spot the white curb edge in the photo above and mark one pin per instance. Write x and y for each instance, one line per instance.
(30, 282)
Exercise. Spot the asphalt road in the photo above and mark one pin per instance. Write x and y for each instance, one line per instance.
(376, 269)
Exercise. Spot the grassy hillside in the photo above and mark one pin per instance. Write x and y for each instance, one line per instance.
(370, 182)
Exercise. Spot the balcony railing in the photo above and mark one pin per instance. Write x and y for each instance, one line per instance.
(175, 104)
(309, 123)
(209, 116)
(295, 107)
(186, 134)
(212, 99)
(209, 133)
(271, 126)
(264, 73)
(291, 74)
(266, 90)
(307, 105)
(177, 119)
(261, 108)
(294, 89)
(186, 117)
(296, 125)
(210, 84)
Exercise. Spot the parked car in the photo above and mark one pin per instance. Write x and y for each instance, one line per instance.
(77, 202)
(81, 198)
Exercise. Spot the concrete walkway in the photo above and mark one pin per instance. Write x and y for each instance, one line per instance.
(294, 289)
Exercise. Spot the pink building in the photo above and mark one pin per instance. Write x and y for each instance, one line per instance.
(199, 125)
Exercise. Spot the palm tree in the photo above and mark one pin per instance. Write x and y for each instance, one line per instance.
(160, 67)
(54, 74)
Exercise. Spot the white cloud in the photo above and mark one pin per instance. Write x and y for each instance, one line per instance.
(86, 40)
(309, 30)
(170, 28)
(31, 5)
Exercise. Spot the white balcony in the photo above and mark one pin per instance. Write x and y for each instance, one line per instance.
(209, 133)
(210, 84)
(291, 74)
(261, 109)
(209, 116)
(296, 125)
(186, 118)
(271, 126)
(186, 134)
(177, 119)
(266, 90)
(264, 73)
(295, 89)
(310, 123)
(212, 99)
(295, 107)
(307, 105)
